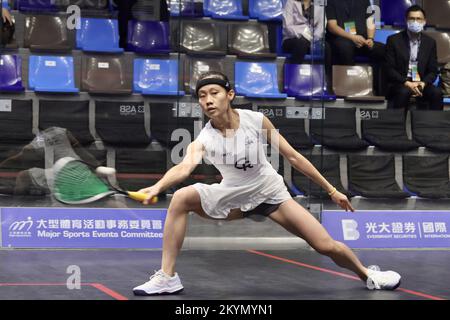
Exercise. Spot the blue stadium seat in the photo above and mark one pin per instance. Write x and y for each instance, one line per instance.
(11, 73)
(257, 80)
(266, 10)
(393, 12)
(148, 37)
(185, 8)
(99, 35)
(51, 74)
(381, 35)
(306, 82)
(446, 100)
(224, 9)
(36, 6)
(156, 77)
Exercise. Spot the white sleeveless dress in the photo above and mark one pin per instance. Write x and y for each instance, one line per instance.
(248, 177)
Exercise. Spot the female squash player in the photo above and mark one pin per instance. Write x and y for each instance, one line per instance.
(233, 142)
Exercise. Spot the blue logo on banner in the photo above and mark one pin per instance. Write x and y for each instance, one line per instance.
(82, 227)
(389, 229)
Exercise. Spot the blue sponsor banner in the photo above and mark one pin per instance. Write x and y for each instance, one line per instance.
(389, 229)
(82, 227)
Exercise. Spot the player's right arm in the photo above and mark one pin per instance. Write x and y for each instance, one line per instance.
(177, 173)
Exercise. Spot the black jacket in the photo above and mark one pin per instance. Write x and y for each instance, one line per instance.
(397, 59)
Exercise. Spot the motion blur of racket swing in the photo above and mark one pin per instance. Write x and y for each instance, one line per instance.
(76, 182)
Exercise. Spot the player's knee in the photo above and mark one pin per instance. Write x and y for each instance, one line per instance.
(180, 199)
(326, 247)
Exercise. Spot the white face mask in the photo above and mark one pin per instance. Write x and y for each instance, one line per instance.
(415, 26)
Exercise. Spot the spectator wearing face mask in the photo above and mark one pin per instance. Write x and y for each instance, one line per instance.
(411, 64)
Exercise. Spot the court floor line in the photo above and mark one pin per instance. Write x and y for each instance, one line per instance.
(108, 291)
(340, 274)
(97, 286)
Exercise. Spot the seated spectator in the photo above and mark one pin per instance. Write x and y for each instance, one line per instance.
(411, 62)
(351, 31)
(303, 25)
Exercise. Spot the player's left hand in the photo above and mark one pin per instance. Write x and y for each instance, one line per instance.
(341, 200)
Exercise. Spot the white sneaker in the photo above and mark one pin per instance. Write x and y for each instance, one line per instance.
(159, 283)
(382, 280)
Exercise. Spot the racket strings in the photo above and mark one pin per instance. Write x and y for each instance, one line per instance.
(76, 182)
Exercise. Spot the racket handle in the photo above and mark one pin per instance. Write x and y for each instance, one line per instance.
(139, 196)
